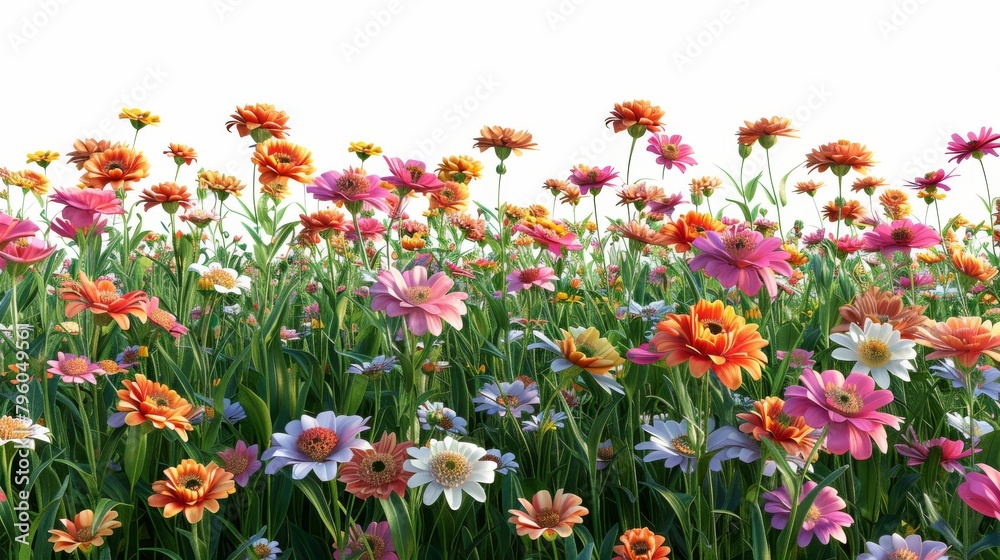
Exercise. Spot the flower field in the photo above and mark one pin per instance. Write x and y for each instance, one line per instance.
(393, 359)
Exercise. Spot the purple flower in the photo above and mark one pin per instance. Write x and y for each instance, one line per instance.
(825, 518)
(513, 397)
(316, 444)
(891, 547)
(742, 258)
(241, 461)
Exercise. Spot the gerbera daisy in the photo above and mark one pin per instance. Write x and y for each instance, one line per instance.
(449, 467)
(583, 349)
(260, 121)
(423, 302)
(221, 184)
(22, 431)
(241, 461)
(551, 234)
(824, 520)
(876, 349)
(29, 180)
(766, 130)
(849, 211)
(74, 369)
(82, 533)
(118, 167)
(867, 184)
(636, 116)
(548, 516)
(373, 543)
(769, 421)
(807, 187)
(281, 160)
(900, 235)
(641, 544)
(351, 186)
(977, 145)
(505, 461)
(138, 117)
(412, 176)
(962, 338)
(525, 278)
(461, 169)
(672, 443)
(144, 401)
(504, 141)
(103, 300)
(453, 198)
(317, 445)
(164, 319)
(918, 452)
(682, 232)
(742, 258)
(981, 491)
(191, 488)
(377, 471)
(895, 547)
(435, 415)
(515, 398)
(972, 266)
(222, 280)
(670, 152)
(840, 156)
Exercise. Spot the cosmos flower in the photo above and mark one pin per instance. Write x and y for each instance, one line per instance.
(825, 519)
(449, 467)
(545, 421)
(317, 445)
(525, 278)
(976, 146)
(917, 452)
(589, 178)
(900, 235)
(423, 302)
(932, 181)
(411, 175)
(671, 152)
(351, 186)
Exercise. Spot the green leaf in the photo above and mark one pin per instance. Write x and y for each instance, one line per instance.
(136, 457)
(761, 550)
(781, 186)
(314, 494)
(398, 517)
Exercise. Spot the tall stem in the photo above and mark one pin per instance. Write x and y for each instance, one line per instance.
(989, 208)
(628, 169)
(774, 193)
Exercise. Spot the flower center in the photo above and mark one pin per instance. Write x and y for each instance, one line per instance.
(108, 296)
(373, 543)
(902, 235)
(237, 464)
(158, 399)
(220, 277)
(114, 166)
(84, 534)
(191, 482)
(261, 550)
(592, 176)
(874, 352)
(509, 401)
(902, 555)
(669, 151)
(548, 517)
(682, 444)
(640, 548)
(415, 172)
(12, 428)
(450, 469)
(378, 469)
(813, 514)
(353, 184)
(492, 457)
(844, 400)
(605, 453)
(74, 366)
(162, 318)
(283, 158)
(739, 245)
(317, 443)
(109, 366)
(713, 326)
(418, 294)
(782, 419)
(529, 275)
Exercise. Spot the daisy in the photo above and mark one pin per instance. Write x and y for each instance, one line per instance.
(74, 369)
(377, 471)
(670, 441)
(605, 454)
(82, 533)
(505, 461)
(508, 397)
(876, 349)
(449, 467)
(895, 547)
(971, 429)
(437, 415)
(264, 550)
(547, 421)
(222, 280)
(22, 431)
(317, 444)
(241, 461)
(825, 518)
(375, 368)
(548, 516)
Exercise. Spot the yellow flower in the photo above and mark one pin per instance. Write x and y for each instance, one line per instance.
(138, 117)
(143, 351)
(30, 181)
(930, 197)
(364, 150)
(43, 158)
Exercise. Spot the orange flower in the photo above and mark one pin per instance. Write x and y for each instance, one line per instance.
(221, 184)
(29, 181)
(260, 122)
(641, 544)
(118, 167)
(586, 349)
(867, 184)
(851, 211)
(81, 532)
(169, 195)
(323, 223)
(972, 266)
(138, 117)
(192, 488)
(83, 149)
(504, 141)
(548, 516)
(840, 156)
(636, 116)
(181, 153)
(705, 186)
(807, 187)
(682, 232)
(280, 160)
(796, 258)
(452, 166)
(930, 256)
(711, 336)
(413, 243)
(883, 307)
(766, 130)
(768, 421)
(638, 231)
(453, 198)
(103, 300)
(377, 471)
(962, 338)
(144, 401)
(570, 194)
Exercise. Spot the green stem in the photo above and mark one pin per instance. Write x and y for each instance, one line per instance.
(628, 169)
(774, 193)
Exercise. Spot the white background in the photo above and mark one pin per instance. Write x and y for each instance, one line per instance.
(420, 78)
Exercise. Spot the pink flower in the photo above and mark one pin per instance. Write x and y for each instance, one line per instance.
(371, 229)
(846, 406)
(351, 186)
(742, 258)
(825, 518)
(526, 278)
(412, 175)
(986, 142)
(902, 236)
(670, 152)
(932, 180)
(376, 538)
(981, 491)
(800, 359)
(241, 461)
(74, 369)
(850, 244)
(550, 233)
(588, 178)
(27, 252)
(665, 206)
(64, 228)
(423, 301)
(11, 228)
(84, 206)
(163, 319)
(919, 451)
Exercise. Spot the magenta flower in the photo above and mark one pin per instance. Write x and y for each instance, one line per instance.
(412, 175)
(981, 491)
(423, 302)
(525, 278)
(978, 145)
(900, 235)
(932, 180)
(550, 233)
(25, 251)
(664, 207)
(64, 228)
(917, 452)
(164, 319)
(376, 538)
(670, 152)
(371, 230)
(847, 407)
(351, 187)
(742, 258)
(591, 178)
(825, 519)
(74, 369)
(11, 228)
(241, 461)
(85, 206)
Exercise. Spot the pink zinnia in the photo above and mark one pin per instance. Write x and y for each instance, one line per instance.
(917, 452)
(981, 491)
(241, 461)
(591, 178)
(550, 233)
(424, 302)
(846, 406)
(742, 258)
(932, 180)
(536, 276)
(902, 236)
(670, 152)
(11, 228)
(412, 175)
(26, 252)
(74, 369)
(371, 230)
(164, 319)
(351, 186)
(986, 142)
(825, 519)
(84, 206)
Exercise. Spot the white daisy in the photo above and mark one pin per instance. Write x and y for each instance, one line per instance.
(449, 467)
(222, 280)
(265, 550)
(877, 350)
(22, 431)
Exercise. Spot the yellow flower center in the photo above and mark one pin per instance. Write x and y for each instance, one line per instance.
(813, 514)
(450, 469)
(682, 444)
(108, 296)
(509, 401)
(902, 555)
(353, 184)
(418, 294)
(844, 400)
(669, 151)
(220, 277)
(317, 443)
(378, 469)
(162, 318)
(261, 550)
(874, 352)
(74, 366)
(548, 517)
(109, 366)
(12, 428)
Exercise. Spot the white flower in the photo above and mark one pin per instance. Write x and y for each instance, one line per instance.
(265, 550)
(449, 467)
(962, 424)
(223, 280)
(877, 350)
(22, 431)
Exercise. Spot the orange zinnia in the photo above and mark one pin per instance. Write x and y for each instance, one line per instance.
(711, 336)
(82, 533)
(682, 232)
(452, 166)
(867, 184)
(221, 184)
(638, 231)
(103, 300)
(281, 160)
(504, 140)
(169, 195)
(453, 198)
(192, 488)
(118, 167)
(840, 156)
(851, 211)
(181, 153)
(768, 421)
(323, 224)
(144, 401)
(807, 187)
(83, 149)
(641, 544)
(883, 307)
(639, 113)
(260, 122)
(962, 338)
(766, 130)
(972, 267)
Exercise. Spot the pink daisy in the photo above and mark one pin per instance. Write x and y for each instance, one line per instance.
(902, 236)
(917, 452)
(932, 180)
(26, 252)
(84, 206)
(742, 258)
(423, 302)
(591, 178)
(825, 519)
(241, 461)
(670, 152)
(74, 369)
(978, 145)
(412, 175)
(525, 278)
(981, 491)
(350, 187)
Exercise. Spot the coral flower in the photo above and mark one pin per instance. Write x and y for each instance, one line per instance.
(883, 307)
(219, 183)
(670, 152)
(163, 318)
(973, 267)
(682, 232)
(636, 116)
(83, 149)
(461, 169)
(260, 121)
(29, 180)
(453, 198)
(535, 276)
(74, 369)
(411, 175)
(351, 186)
(82, 533)
(769, 421)
(981, 491)
(711, 336)
(373, 543)
(281, 160)
(917, 452)
(83, 207)
(639, 231)
(241, 461)
(824, 520)
(181, 154)
(977, 145)
(807, 187)
(850, 211)
(377, 471)
(370, 230)
(867, 184)
(742, 258)
(641, 544)
(324, 223)
(548, 516)
(902, 236)
(504, 141)
(583, 349)
(766, 130)
(169, 195)
(103, 300)
(932, 181)
(118, 167)
(424, 302)
(895, 547)
(589, 178)
(962, 338)
(846, 406)
(192, 488)
(144, 401)
(551, 234)
(840, 156)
